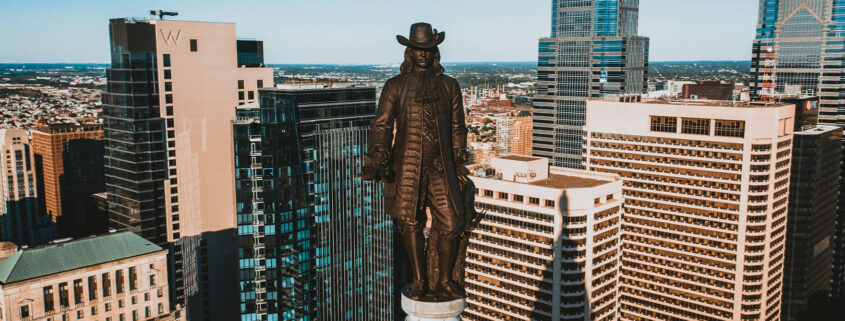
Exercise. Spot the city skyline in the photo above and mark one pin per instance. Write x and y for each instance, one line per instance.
(479, 31)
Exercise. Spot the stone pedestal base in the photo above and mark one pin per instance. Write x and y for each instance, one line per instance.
(432, 311)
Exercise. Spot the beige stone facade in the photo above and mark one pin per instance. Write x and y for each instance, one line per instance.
(706, 186)
(129, 289)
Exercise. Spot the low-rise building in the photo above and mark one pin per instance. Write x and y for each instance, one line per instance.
(111, 277)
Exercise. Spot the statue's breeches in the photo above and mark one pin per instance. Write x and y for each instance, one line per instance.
(433, 193)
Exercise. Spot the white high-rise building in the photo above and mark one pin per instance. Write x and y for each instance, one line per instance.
(705, 186)
(548, 247)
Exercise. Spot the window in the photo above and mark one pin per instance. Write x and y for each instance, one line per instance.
(170, 123)
(730, 128)
(147, 296)
(251, 95)
(159, 293)
(94, 310)
(133, 300)
(168, 86)
(160, 308)
(550, 203)
(609, 197)
(118, 280)
(695, 126)
(240, 95)
(488, 193)
(107, 307)
(120, 303)
(193, 45)
(79, 314)
(664, 124)
(503, 195)
(597, 201)
(106, 286)
(63, 296)
(165, 60)
(260, 83)
(24, 311)
(169, 112)
(240, 84)
(92, 287)
(77, 291)
(518, 198)
(147, 312)
(167, 74)
(534, 200)
(153, 276)
(168, 98)
(48, 298)
(134, 315)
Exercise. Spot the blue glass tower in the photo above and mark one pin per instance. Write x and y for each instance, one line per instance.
(799, 50)
(313, 241)
(593, 51)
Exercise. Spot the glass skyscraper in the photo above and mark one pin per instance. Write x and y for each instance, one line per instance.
(798, 51)
(593, 51)
(313, 240)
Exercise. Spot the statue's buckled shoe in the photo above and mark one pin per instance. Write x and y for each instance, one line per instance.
(417, 290)
(451, 290)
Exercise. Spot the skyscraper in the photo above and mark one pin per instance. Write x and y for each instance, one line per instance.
(548, 248)
(593, 51)
(811, 217)
(313, 239)
(167, 114)
(20, 220)
(706, 187)
(798, 51)
(69, 167)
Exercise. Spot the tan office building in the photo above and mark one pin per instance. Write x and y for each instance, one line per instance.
(20, 221)
(111, 277)
(706, 187)
(50, 143)
(168, 113)
(548, 247)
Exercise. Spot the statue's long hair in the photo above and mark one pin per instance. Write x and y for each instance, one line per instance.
(408, 65)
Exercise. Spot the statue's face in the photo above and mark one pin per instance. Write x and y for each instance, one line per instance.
(423, 58)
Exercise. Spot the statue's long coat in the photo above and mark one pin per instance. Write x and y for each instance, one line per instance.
(398, 103)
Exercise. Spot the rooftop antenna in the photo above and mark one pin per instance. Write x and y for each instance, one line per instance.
(162, 13)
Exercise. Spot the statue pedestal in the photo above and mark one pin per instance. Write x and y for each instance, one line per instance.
(432, 311)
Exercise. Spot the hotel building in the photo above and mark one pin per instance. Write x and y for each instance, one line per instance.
(706, 186)
(548, 246)
(111, 277)
(167, 116)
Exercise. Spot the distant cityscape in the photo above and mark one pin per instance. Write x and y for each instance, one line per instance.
(187, 179)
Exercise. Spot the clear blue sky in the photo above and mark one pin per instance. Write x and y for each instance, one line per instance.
(363, 31)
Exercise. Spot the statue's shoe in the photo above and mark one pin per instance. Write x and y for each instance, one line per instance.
(450, 291)
(416, 291)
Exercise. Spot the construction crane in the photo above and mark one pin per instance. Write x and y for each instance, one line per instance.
(162, 13)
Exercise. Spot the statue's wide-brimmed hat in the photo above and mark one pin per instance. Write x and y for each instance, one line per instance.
(422, 36)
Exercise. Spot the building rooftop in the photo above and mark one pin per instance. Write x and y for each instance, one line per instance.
(694, 102)
(816, 130)
(519, 158)
(562, 181)
(70, 255)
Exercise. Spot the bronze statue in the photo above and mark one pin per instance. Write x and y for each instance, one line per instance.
(424, 166)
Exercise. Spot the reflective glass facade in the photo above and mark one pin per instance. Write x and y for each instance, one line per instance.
(313, 241)
(135, 161)
(593, 51)
(800, 51)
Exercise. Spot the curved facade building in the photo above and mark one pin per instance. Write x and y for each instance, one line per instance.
(548, 247)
